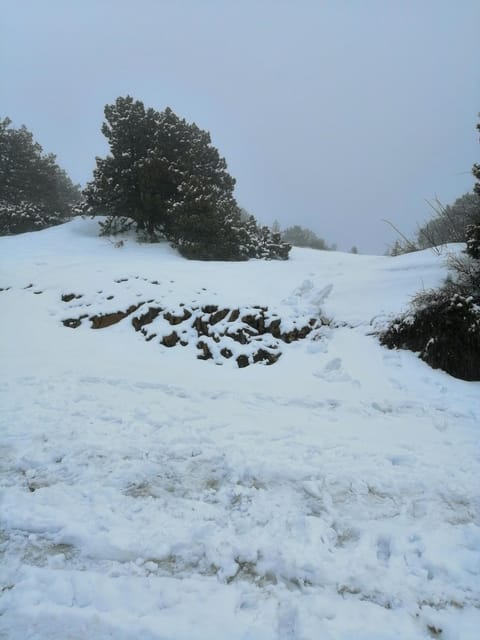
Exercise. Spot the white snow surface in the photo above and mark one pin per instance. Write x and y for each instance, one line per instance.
(146, 494)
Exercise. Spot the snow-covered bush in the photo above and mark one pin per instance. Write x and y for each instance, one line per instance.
(114, 225)
(473, 241)
(444, 329)
(25, 216)
(443, 325)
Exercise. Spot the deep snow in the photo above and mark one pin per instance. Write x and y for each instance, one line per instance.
(147, 494)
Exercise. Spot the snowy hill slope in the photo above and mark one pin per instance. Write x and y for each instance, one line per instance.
(149, 494)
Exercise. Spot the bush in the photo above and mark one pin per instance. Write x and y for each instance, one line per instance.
(473, 241)
(115, 225)
(24, 217)
(443, 327)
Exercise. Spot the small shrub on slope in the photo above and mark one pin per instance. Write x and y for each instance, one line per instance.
(26, 216)
(473, 241)
(443, 327)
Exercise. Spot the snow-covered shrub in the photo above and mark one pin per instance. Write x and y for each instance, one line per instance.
(443, 327)
(25, 216)
(473, 241)
(114, 225)
(270, 246)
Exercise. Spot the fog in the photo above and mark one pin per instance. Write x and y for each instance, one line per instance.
(334, 115)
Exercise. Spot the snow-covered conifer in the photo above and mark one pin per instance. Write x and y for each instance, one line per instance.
(165, 175)
(34, 192)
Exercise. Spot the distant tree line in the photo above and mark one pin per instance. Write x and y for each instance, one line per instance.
(448, 224)
(303, 237)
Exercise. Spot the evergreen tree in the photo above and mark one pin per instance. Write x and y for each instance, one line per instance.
(34, 192)
(165, 175)
(157, 163)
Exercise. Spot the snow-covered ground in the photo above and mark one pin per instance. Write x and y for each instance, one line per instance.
(148, 494)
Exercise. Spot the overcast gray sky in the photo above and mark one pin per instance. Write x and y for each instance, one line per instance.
(331, 114)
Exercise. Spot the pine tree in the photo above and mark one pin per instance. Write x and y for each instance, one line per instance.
(165, 175)
(157, 164)
(34, 192)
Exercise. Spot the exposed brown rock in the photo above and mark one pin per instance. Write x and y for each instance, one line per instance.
(257, 322)
(109, 319)
(201, 326)
(170, 340)
(296, 334)
(239, 336)
(174, 320)
(146, 318)
(242, 361)
(262, 355)
(73, 323)
(234, 316)
(210, 308)
(219, 315)
(206, 353)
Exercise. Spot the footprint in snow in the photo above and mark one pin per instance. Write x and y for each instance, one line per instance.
(333, 372)
(287, 621)
(384, 550)
(333, 365)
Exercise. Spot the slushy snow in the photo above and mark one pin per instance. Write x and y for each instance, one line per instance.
(146, 494)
